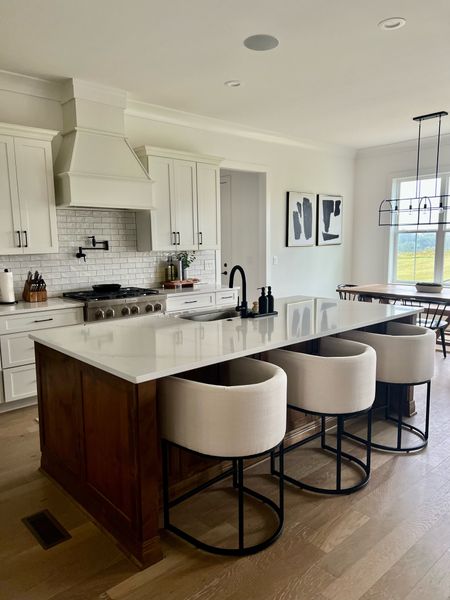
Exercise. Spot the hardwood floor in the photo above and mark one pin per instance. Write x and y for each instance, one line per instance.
(390, 541)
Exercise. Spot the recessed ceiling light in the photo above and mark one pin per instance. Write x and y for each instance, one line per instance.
(232, 83)
(392, 23)
(261, 42)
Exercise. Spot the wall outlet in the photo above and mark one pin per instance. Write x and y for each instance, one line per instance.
(274, 260)
(210, 265)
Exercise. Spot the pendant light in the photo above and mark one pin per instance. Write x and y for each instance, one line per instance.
(427, 210)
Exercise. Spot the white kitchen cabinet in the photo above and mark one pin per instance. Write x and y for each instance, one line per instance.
(208, 206)
(18, 377)
(27, 197)
(19, 383)
(186, 201)
(184, 302)
(227, 297)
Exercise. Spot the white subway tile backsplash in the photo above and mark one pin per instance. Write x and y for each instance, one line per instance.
(121, 264)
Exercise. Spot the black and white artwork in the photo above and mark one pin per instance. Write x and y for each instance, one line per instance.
(301, 219)
(329, 220)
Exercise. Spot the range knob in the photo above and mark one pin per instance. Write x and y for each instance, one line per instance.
(125, 311)
(135, 310)
(149, 308)
(109, 314)
(157, 307)
(99, 314)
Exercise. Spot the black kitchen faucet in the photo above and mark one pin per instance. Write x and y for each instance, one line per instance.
(242, 307)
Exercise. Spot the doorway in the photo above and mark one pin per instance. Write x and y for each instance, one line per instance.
(243, 228)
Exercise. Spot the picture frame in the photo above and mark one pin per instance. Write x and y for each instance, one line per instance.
(329, 220)
(301, 215)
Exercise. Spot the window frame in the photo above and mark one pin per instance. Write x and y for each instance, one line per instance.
(440, 231)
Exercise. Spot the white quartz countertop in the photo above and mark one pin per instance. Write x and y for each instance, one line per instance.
(198, 289)
(149, 347)
(50, 304)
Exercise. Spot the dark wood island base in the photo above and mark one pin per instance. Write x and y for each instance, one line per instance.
(99, 442)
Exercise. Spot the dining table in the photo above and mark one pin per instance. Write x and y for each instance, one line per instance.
(394, 291)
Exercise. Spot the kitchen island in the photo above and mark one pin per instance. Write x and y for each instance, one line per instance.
(97, 392)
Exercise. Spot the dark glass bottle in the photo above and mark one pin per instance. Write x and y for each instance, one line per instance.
(262, 301)
(269, 299)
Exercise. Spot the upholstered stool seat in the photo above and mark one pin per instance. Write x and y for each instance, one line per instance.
(337, 382)
(241, 415)
(405, 357)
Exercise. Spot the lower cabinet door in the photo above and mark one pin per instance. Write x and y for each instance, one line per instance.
(17, 349)
(20, 382)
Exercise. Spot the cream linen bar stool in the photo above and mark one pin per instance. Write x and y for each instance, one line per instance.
(338, 382)
(405, 357)
(242, 416)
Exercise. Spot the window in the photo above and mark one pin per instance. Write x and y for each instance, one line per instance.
(420, 253)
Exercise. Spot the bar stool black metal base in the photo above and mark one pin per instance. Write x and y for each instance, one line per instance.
(401, 426)
(340, 455)
(237, 473)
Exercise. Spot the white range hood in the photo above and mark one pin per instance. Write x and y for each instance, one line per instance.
(96, 167)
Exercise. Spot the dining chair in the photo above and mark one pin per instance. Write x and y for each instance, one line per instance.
(433, 316)
(344, 294)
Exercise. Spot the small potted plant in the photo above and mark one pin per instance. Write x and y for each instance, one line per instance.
(185, 258)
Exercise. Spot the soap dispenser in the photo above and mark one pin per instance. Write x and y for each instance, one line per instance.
(262, 301)
(269, 299)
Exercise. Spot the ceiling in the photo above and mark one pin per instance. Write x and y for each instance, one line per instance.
(335, 76)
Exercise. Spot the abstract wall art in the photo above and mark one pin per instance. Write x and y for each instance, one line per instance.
(301, 219)
(329, 220)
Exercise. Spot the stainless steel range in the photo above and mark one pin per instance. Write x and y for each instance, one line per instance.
(112, 301)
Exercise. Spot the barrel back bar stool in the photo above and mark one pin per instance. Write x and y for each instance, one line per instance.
(242, 415)
(405, 357)
(337, 382)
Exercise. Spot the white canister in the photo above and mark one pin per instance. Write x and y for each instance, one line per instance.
(7, 288)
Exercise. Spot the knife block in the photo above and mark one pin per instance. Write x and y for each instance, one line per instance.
(29, 296)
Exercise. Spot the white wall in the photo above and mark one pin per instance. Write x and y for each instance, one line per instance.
(290, 167)
(374, 170)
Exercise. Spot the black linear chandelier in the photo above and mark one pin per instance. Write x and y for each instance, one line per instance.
(428, 210)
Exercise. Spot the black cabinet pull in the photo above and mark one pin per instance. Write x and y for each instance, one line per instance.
(224, 272)
(174, 238)
(19, 245)
(179, 239)
(190, 301)
(26, 238)
(43, 320)
(200, 238)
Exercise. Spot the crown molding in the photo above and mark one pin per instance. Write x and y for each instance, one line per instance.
(400, 147)
(95, 92)
(31, 86)
(161, 114)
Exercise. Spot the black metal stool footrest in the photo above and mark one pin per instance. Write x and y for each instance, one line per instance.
(399, 448)
(338, 452)
(241, 490)
(384, 447)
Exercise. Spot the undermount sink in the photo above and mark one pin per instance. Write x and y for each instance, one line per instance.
(212, 315)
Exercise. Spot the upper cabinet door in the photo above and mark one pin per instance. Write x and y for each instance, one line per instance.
(208, 206)
(163, 218)
(185, 198)
(10, 227)
(36, 195)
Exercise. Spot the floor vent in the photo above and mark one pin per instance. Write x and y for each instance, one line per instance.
(46, 529)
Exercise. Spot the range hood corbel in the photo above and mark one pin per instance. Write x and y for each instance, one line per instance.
(96, 166)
